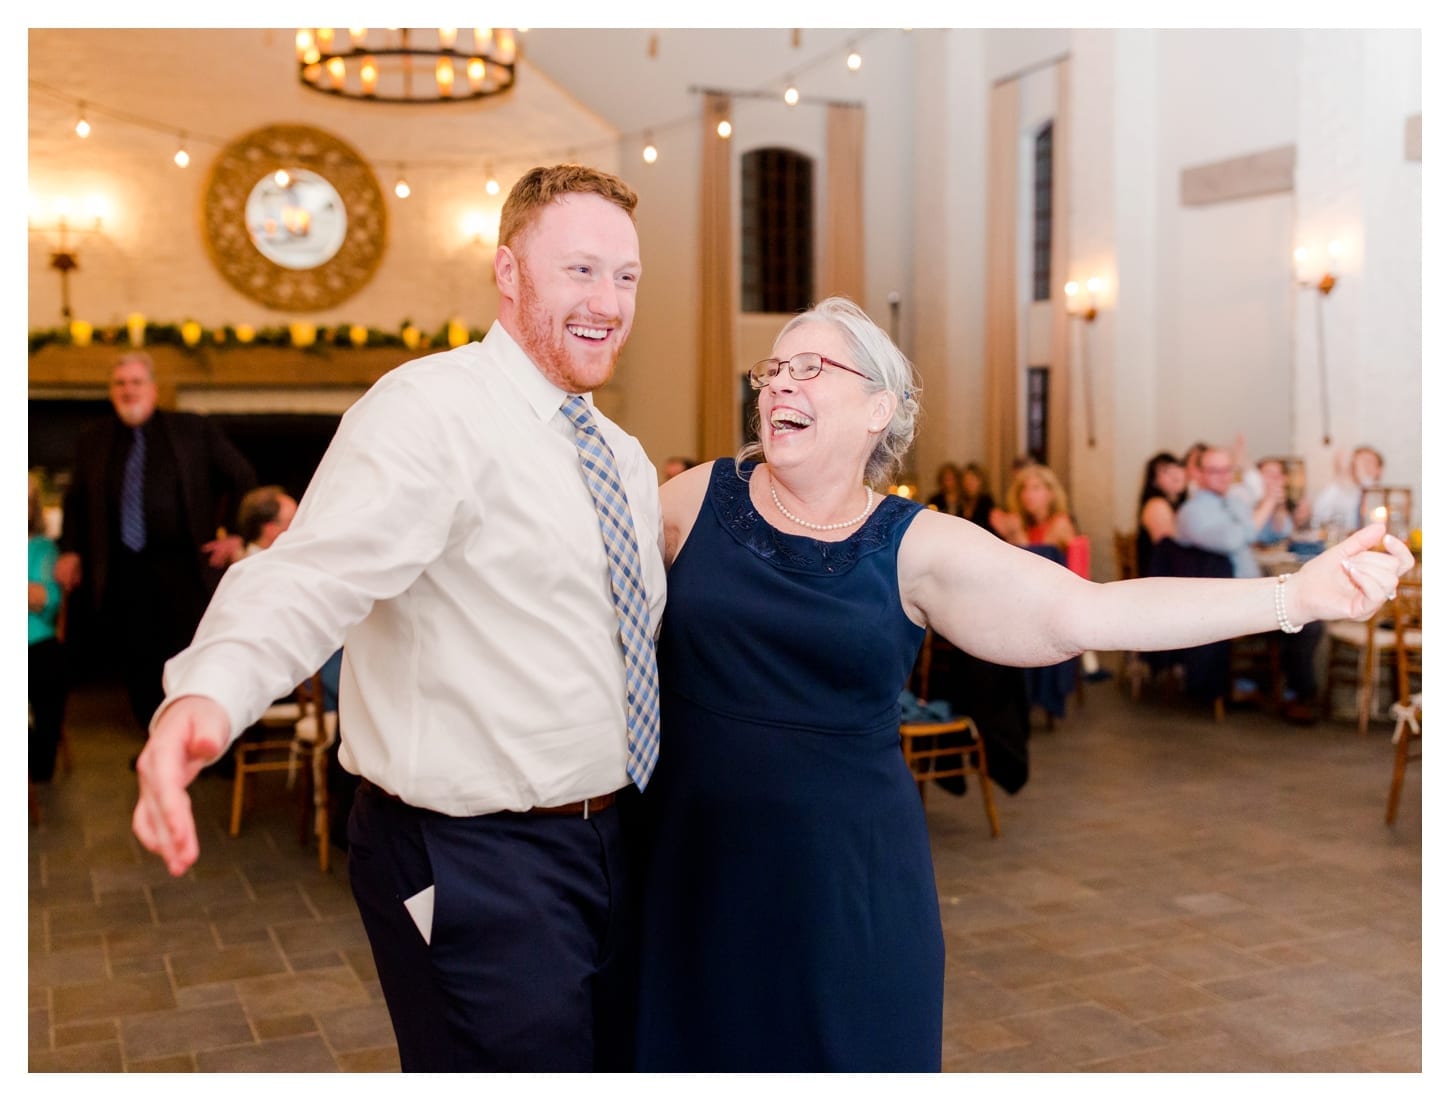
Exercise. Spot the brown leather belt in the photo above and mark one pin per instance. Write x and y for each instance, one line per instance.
(581, 809)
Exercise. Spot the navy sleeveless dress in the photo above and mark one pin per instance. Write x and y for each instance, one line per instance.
(790, 918)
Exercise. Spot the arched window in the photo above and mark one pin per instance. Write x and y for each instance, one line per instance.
(1042, 215)
(777, 232)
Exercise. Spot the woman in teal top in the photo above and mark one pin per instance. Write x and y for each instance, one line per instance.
(47, 678)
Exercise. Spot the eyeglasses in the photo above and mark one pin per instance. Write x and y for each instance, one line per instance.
(802, 366)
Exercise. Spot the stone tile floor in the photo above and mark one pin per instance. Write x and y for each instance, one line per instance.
(1168, 894)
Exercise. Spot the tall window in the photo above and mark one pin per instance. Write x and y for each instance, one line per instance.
(777, 238)
(1042, 215)
(1037, 383)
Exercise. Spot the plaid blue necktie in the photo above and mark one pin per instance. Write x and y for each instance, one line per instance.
(641, 675)
(133, 500)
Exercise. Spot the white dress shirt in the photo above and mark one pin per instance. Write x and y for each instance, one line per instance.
(449, 539)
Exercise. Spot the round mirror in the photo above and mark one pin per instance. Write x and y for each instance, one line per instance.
(296, 218)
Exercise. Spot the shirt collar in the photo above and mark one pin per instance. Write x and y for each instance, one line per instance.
(542, 396)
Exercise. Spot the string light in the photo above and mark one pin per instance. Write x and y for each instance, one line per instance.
(649, 151)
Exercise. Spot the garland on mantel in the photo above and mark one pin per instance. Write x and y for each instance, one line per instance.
(192, 336)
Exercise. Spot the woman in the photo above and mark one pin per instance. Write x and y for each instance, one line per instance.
(1165, 487)
(46, 666)
(948, 496)
(790, 917)
(977, 503)
(1036, 513)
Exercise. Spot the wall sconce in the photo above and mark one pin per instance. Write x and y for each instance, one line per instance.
(1303, 276)
(63, 257)
(1325, 283)
(1085, 309)
(1088, 312)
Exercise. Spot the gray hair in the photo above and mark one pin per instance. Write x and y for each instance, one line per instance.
(885, 367)
(143, 358)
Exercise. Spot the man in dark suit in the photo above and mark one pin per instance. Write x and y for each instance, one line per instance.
(149, 490)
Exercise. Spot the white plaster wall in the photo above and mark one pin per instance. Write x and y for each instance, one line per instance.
(1356, 88)
(1226, 298)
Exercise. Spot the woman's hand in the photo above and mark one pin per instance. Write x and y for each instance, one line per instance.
(1350, 580)
(1008, 525)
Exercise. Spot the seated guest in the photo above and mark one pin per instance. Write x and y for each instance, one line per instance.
(1339, 503)
(265, 513)
(1037, 518)
(977, 503)
(1280, 522)
(1215, 520)
(1165, 487)
(948, 496)
(1191, 460)
(46, 668)
(1036, 512)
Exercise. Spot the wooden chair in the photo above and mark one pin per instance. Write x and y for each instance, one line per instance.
(929, 747)
(1409, 669)
(292, 736)
(940, 751)
(1354, 657)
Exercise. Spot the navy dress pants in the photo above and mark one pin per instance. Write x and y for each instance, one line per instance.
(529, 960)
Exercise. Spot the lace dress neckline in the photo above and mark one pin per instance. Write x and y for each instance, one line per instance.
(730, 496)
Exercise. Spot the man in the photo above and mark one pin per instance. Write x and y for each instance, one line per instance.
(265, 513)
(148, 492)
(1217, 520)
(494, 700)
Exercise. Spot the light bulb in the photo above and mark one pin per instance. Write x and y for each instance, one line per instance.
(792, 96)
(853, 61)
(651, 154)
(724, 128)
(83, 128)
(1071, 288)
(401, 188)
(492, 185)
(182, 157)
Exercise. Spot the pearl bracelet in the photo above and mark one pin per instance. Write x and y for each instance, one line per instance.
(1280, 610)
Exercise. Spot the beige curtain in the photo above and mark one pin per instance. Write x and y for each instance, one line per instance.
(1000, 408)
(845, 269)
(1059, 399)
(718, 384)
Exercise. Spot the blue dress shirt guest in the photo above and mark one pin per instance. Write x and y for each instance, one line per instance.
(1218, 520)
(451, 540)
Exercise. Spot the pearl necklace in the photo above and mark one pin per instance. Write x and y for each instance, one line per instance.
(793, 518)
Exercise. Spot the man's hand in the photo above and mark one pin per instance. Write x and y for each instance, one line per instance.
(223, 551)
(37, 596)
(190, 734)
(68, 570)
